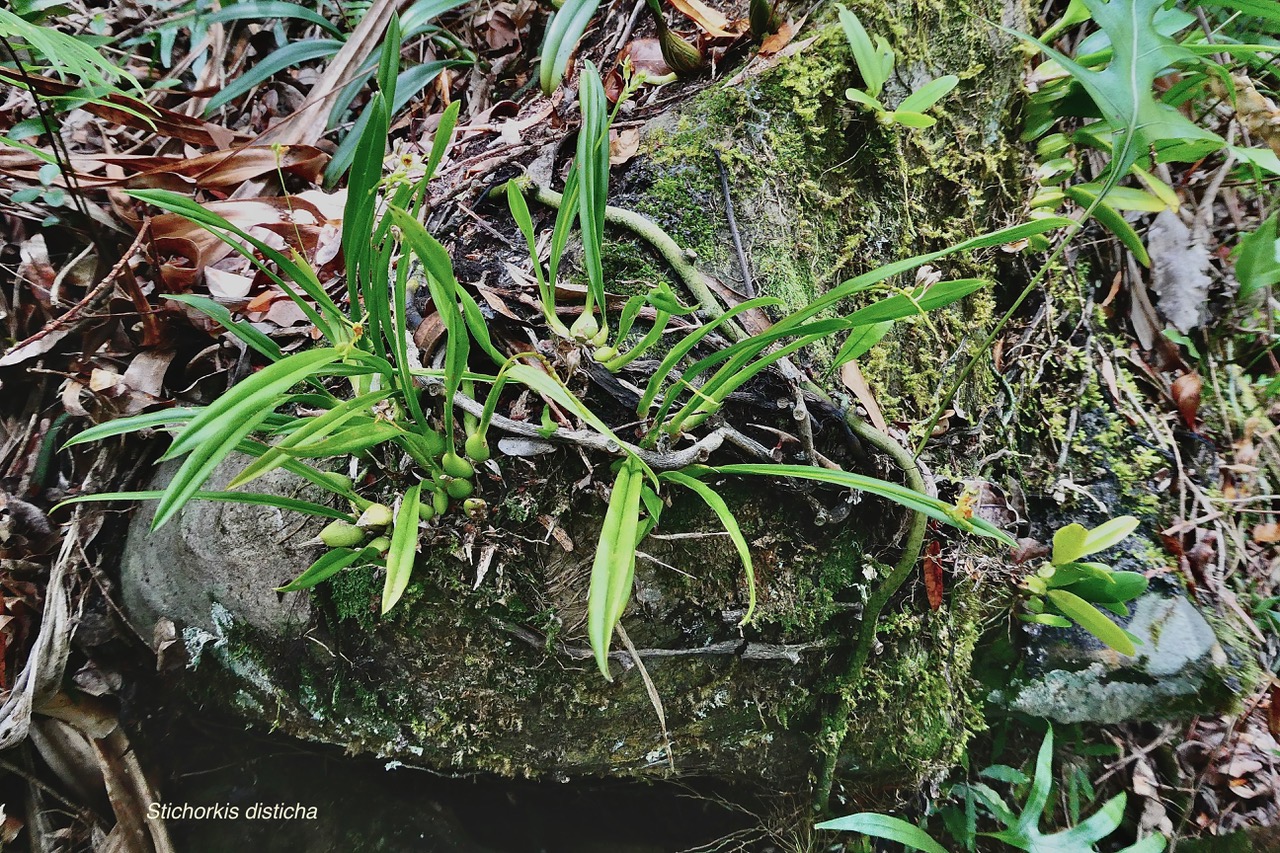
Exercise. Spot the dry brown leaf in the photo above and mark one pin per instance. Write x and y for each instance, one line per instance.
(1266, 534)
(1186, 396)
(623, 145)
(216, 170)
(646, 56)
(852, 378)
(775, 42)
(714, 23)
(1257, 112)
(127, 111)
(933, 579)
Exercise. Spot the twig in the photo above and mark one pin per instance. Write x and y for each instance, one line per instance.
(657, 460)
(748, 286)
(88, 300)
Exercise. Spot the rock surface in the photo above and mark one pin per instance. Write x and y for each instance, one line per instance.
(220, 554)
(1181, 668)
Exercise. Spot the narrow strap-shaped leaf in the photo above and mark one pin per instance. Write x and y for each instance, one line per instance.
(418, 16)
(404, 548)
(262, 9)
(887, 827)
(1041, 782)
(299, 273)
(355, 439)
(133, 423)
(444, 135)
(362, 188)
(203, 459)
(860, 341)
(614, 560)
(563, 32)
(254, 339)
(994, 238)
(593, 180)
(911, 499)
(389, 60)
(251, 498)
(254, 395)
(688, 342)
(1113, 221)
(328, 565)
(313, 429)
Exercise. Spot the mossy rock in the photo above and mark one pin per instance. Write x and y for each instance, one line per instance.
(486, 674)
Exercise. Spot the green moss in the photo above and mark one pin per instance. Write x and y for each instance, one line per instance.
(824, 193)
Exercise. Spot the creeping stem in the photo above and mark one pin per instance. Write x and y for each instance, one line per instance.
(837, 723)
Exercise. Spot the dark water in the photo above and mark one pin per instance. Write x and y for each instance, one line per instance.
(341, 804)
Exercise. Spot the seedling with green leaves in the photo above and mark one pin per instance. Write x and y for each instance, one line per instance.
(875, 61)
(1068, 590)
(1021, 830)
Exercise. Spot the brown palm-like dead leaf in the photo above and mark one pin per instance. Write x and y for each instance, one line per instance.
(215, 170)
(130, 112)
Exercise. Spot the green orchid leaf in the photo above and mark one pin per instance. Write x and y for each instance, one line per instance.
(564, 30)
(404, 548)
(328, 565)
(886, 827)
(1069, 544)
(929, 94)
(1092, 620)
(613, 569)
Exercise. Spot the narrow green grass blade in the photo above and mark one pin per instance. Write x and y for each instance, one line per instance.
(403, 550)
(260, 10)
(264, 69)
(907, 497)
